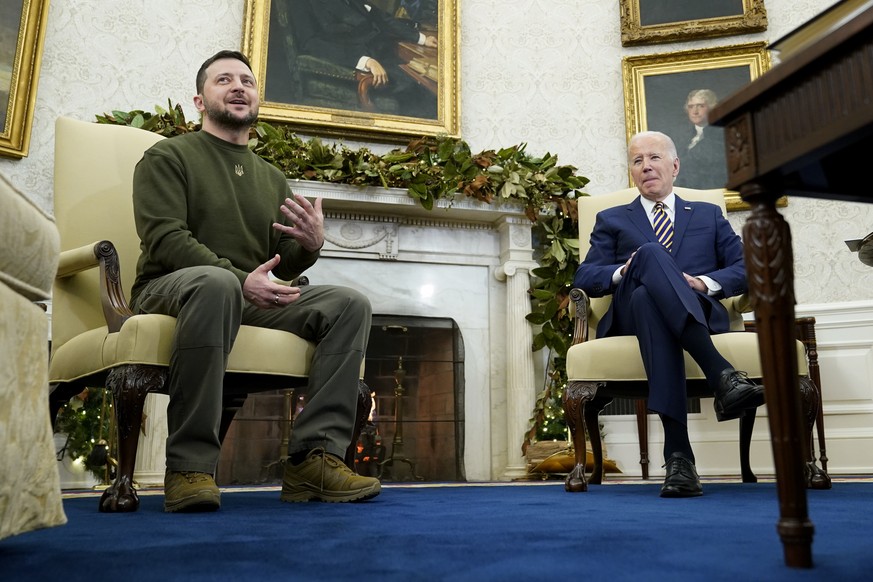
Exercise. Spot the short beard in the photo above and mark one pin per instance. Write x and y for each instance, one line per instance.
(227, 120)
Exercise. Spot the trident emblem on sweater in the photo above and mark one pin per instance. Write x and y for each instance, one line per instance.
(238, 168)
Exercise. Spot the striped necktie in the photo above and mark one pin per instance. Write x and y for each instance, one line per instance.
(663, 226)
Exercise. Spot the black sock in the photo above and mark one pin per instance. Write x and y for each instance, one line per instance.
(695, 340)
(676, 438)
(298, 457)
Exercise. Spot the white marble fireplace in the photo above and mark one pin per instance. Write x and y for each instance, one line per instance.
(470, 262)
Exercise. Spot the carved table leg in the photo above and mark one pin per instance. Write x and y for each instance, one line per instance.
(576, 396)
(129, 385)
(770, 266)
(815, 478)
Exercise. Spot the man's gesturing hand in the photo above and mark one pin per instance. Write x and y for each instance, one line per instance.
(306, 220)
(263, 292)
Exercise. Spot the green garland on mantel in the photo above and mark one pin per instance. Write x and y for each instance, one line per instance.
(441, 167)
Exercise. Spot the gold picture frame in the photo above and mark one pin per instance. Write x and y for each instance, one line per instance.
(304, 84)
(22, 31)
(659, 87)
(660, 21)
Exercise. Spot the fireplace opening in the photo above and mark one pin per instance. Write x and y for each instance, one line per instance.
(415, 371)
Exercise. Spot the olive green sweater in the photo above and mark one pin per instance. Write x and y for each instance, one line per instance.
(199, 200)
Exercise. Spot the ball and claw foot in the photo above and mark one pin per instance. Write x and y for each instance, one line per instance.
(816, 478)
(120, 497)
(575, 481)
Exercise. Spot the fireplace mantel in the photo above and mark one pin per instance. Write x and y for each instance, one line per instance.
(397, 202)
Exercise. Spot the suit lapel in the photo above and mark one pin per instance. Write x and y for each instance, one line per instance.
(681, 218)
(639, 219)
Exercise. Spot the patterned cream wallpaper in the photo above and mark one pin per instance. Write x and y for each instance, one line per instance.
(542, 72)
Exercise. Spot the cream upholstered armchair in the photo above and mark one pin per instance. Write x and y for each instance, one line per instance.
(96, 340)
(599, 369)
(30, 490)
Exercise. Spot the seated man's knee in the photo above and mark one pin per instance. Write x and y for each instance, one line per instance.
(652, 255)
(648, 248)
(217, 283)
(358, 302)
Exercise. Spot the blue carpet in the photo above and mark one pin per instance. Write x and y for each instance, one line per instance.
(508, 532)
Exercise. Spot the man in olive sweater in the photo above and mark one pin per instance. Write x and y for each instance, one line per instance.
(214, 221)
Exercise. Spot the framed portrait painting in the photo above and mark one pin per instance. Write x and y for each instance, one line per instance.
(382, 70)
(22, 30)
(659, 21)
(673, 93)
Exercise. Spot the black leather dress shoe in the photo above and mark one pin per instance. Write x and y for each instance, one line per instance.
(736, 394)
(682, 479)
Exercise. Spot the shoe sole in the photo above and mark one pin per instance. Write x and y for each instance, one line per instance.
(739, 408)
(202, 502)
(676, 494)
(306, 493)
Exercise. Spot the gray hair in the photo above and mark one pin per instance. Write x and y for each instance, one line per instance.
(671, 147)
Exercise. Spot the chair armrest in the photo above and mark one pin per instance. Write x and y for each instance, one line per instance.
(101, 254)
(324, 68)
(75, 261)
(115, 307)
(581, 306)
(739, 303)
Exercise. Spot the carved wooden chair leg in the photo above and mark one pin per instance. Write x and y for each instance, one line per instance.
(231, 404)
(592, 425)
(816, 478)
(365, 404)
(129, 386)
(747, 425)
(642, 410)
(576, 396)
(806, 334)
(229, 408)
(822, 449)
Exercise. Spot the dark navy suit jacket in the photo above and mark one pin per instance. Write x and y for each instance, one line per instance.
(704, 243)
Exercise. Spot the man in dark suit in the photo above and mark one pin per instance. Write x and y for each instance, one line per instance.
(667, 263)
(703, 159)
(361, 36)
